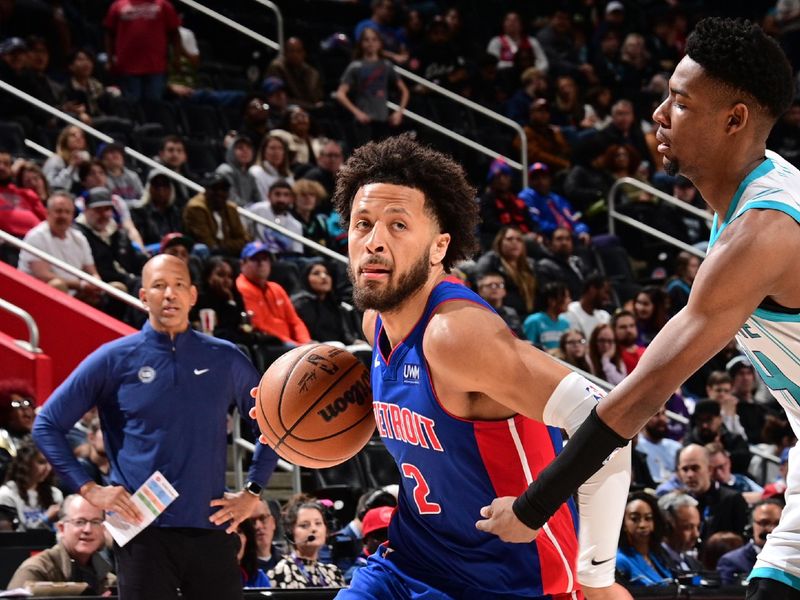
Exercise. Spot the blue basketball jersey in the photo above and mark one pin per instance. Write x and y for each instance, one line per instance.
(451, 467)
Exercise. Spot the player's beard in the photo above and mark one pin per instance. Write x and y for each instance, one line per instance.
(672, 167)
(388, 298)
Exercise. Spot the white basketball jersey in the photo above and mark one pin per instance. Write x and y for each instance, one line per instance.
(771, 340)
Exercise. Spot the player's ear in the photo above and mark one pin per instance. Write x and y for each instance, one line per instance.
(439, 248)
(738, 117)
(193, 292)
(143, 297)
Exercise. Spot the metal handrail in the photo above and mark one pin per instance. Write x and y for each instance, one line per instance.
(613, 214)
(670, 199)
(523, 140)
(452, 134)
(96, 282)
(175, 176)
(39, 148)
(32, 345)
(295, 236)
(672, 416)
(278, 22)
(233, 24)
(242, 445)
(522, 165)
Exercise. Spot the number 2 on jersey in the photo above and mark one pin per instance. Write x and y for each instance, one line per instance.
(421, 490)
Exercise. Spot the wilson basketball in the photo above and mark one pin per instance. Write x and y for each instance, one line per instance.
(314, 406)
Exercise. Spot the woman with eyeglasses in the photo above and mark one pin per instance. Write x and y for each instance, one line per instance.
(572, 348)
(16, 419)
(603, 358)
(29, 489)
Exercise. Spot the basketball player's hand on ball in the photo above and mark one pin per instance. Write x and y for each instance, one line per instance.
(499, 519)
(252, 415)
(233, 509)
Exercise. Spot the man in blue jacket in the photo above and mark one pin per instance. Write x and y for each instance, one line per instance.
(548, 209)
(163, 396)
(737, 564)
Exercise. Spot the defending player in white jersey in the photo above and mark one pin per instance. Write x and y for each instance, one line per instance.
(724, 98)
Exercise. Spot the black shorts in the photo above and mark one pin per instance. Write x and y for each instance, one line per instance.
(770, 589)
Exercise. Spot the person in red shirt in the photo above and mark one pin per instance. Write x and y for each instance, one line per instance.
(272, 310)
(137, 35)
(20, 208)
(623, 324)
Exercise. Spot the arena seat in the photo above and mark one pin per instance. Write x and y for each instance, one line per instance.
(203, 122)
(17, 546)
(69, 329)
(12, 137)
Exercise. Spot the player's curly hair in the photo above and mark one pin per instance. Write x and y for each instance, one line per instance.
(401, 160)
(740, 55)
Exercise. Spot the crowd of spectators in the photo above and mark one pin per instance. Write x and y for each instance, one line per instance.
(580, 78)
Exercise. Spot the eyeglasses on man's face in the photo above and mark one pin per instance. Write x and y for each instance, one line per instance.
(81, 523)
(25, 403)
(493, 285)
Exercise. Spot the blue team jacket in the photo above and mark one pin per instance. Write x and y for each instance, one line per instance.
(162, 405)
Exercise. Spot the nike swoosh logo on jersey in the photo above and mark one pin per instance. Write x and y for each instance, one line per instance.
(600, 562)
(200, 371)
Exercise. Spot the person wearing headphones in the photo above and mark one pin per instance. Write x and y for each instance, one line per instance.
(306, 529)
(736, 564)
(681, 532)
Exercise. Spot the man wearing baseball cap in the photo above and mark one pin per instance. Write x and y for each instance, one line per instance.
(374, 531)
(500, 206)
(211, 218)
(273, 312)
(548, 209)
(117, 261)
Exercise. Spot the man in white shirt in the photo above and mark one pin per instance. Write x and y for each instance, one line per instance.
(57, 237)
(587, 313)
(661, 451)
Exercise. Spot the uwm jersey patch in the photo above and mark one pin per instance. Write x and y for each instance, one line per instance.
(451, 468)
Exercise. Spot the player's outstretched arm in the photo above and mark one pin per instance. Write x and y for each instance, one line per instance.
(754, 258)
(505, 376)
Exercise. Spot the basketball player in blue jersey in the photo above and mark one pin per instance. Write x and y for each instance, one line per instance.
(460, 402)
(724, 97)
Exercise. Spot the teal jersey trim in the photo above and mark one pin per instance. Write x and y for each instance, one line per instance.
(761, 170)
(772, 205)
(777, 317)
(714, 233)
(777, 575)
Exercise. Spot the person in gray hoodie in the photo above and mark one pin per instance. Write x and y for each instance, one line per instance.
(238, 159)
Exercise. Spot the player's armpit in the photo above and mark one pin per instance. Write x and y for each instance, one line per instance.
(474, 352)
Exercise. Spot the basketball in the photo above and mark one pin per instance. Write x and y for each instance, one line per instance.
(314, 406)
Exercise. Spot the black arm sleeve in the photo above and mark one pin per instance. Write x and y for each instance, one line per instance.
(592, 445)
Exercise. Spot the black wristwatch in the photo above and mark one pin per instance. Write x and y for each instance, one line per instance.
(253, 488)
